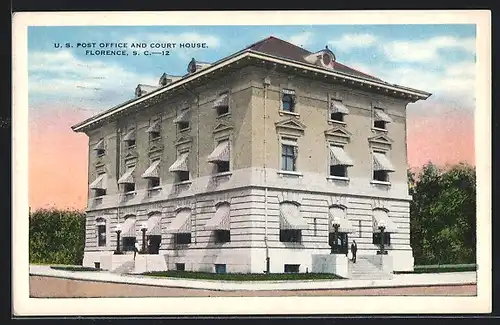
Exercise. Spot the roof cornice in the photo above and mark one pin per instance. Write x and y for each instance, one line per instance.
(236, 57)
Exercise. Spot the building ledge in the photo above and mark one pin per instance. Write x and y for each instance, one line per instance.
(229, 173)
(379, 129)
(228, 114)
(282, 112)
(289, 173)
(184, 182)
(337, 122)
(380, 183)
(338, 178)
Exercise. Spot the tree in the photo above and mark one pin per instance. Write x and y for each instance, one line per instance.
(443, 214)
(56, 236)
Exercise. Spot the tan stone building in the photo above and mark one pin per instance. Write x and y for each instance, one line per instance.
(249, 159)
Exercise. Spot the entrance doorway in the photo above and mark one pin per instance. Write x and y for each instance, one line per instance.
(154, 244)
(340, 247)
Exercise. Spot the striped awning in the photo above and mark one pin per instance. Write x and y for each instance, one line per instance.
(154, 225)
(339, 157)
(128, 228)
(181, 164)
(338, 216)
(182, 117)
(100, 183)
(381, 162)
(382, 216)
(127, 177)
(129, 136)
(181, 222)
(154, 127)
(380, 115)
(290, 217)
(222, 100)
(220, 153)
(99, 145)
(152, 171)
(288, 91)
(336, 106)
(221, 219)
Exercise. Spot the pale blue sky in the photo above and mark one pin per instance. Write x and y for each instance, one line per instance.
(435, 58)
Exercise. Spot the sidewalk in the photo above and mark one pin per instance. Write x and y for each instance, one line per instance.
(399, 280)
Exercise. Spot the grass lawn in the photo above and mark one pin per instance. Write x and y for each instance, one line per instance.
(441, 268)
(77, 268)
(244, 276)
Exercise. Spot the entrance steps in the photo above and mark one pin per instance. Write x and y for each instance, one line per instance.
(366, 268)
(125, 267)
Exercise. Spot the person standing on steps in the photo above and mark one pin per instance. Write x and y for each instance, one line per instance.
(136, 248)
(354, 249)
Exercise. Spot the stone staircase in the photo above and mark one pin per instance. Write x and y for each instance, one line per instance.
(126, 267)
(364, 269)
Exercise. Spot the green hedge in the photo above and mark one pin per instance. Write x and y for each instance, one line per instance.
(441, 268)
(244, 276)
(75, 268)
(56, 236)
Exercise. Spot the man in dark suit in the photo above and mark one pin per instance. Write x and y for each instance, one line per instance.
(354, 249)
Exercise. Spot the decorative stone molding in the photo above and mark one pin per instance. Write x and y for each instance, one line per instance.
(338, 200)
(222, 198)
(222, 126)
(291, 124)
(184, 204)
(338, 134)
(288, 196)
(380, 204)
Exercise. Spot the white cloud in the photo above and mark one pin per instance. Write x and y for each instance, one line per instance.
(350, 41)
(426, 50)
(302, 39)
(91, 83)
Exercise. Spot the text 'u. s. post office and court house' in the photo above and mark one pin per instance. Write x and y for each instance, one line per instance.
(250, 163)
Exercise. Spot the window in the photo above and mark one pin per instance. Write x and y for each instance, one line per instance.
(222, 236)
(180, 266)
(222, 166)
(101, 234)
(380, 175)
(288, 157)
(288, 102)
(183, 125)
(182, 238)
(220, 268)
(221, 104)
(99, 192)
(128, 187)
(292, 268)
(337, 117)
(290, 235)
(387, 238)
(341, 245)
(154, 135)
(153, 182)
(381, 119)
(128, 244)
(182, 176)
(338, 171)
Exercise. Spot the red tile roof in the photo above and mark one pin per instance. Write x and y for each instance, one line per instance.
(280, 48)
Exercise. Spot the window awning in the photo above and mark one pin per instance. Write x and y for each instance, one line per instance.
(339, 157)
(222, 100)
(288, 91)
(181, 164)
(152, 171)
(99, 145)
(221, 219)
(290, 217)
(182, 117)
(100, 183)
(154, 225)
(127, 177)
(220, 153)
(380, 115)
(378, 216)
(181, 222)
(128, 228)
(336, 106)
(129, 136)
(154, 127)
(381, 162)
(338, 215)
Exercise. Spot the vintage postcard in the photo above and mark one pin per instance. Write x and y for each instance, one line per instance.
(263, 162)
